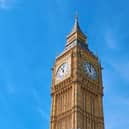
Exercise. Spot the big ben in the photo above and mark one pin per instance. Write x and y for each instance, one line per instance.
(77, 88)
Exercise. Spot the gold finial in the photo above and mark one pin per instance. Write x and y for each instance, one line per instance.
(76, 32)
(76, 17)
(76, 24)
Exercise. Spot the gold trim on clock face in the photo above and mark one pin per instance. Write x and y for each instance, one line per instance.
(63, 69)
(90, 70)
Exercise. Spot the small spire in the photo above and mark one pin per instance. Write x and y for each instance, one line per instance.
(76, 17)
(76, 32)
(76, 24)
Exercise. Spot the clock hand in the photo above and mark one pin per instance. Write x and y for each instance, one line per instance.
(89, 69)
(62, 70)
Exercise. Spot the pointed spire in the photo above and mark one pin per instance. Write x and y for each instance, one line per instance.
(76, 33)
(76, 27)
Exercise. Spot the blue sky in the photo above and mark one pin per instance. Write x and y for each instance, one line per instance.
(32, 33)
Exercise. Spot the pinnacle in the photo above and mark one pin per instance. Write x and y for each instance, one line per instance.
(76, 27)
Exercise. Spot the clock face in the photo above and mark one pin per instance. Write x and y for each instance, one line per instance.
(90, 70)
(62, 71)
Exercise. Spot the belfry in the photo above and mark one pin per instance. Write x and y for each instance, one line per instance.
(77, 88)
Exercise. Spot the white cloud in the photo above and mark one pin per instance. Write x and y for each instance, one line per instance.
(117, 103)
(122, 104)
(11, 89)
(124, 101)
(117, 110)
(40, 108)
(43, 114)
(116, 67)
(110, 39)
(6, 4)
(122, 67)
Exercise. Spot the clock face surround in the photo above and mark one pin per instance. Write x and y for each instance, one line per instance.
(63, 71)
(90, 70)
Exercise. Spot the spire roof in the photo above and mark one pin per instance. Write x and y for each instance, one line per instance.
(76, 27)
(76, 33)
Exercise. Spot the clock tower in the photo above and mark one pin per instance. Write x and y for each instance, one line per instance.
(77, 89)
